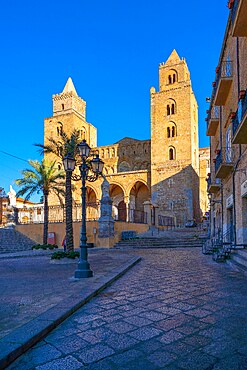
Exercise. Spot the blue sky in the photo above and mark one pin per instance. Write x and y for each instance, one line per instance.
(112, 50)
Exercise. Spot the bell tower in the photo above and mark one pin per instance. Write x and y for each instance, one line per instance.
(174, 142)
(69, 113)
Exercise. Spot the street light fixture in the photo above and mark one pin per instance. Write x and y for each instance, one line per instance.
(96, 166)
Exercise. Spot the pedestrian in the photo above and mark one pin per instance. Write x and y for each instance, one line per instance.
(64, 244)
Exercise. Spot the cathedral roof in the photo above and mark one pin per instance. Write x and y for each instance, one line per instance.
(173, 58)
(69, 86)
(128, 140)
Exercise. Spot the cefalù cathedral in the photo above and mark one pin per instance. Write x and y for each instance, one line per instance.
(168, 172)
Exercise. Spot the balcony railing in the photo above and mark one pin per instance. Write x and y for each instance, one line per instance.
(213, 184)
(239, 16)
(239, 122)
(213, 121)
(223, 83)
(224, 162)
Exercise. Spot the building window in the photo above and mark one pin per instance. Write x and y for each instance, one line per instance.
(172, 77)
(171, 153)
(62, 106)
(171, 130)
(168, 132)
(59, 129)
(171, 107)
(82, 133)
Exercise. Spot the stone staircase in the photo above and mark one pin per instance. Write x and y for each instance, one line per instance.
(171, 239)
(238, 260)
(12, 241)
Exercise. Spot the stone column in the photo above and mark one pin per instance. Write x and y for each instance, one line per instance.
(147, 209)
(106, 221)
(127, 204)
(156, 221)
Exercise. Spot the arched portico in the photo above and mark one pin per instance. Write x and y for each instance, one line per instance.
(138, 194)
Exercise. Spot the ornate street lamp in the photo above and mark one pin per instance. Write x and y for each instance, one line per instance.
(95, 166)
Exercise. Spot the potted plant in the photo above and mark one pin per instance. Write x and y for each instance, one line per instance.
(242, 94)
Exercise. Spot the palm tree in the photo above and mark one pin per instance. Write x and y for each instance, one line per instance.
(66, 145)
(44, 177)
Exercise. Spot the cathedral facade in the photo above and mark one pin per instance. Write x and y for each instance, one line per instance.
(163, 172)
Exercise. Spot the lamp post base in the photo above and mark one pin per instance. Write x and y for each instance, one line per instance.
(83, 270)
(83, 274)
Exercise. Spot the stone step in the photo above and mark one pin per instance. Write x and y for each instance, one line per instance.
(157, 243)
(240, 257)
(12, 241)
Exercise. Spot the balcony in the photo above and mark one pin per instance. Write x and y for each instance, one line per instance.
(224, 162)
(223, 83)
(213, 185)
(213, 121)
(239, 16)
(239, 122)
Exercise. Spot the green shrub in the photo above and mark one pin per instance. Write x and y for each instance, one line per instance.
(45, 246)
(60, 254)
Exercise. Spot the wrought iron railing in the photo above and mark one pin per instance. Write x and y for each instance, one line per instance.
(166, 221)
(213, 114)
(56, 213)
(242, 109)
(223, 245)
(225, 156)
(134, 216)
(225, 71)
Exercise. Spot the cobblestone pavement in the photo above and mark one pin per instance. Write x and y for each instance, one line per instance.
(176, 309)
(31, 285)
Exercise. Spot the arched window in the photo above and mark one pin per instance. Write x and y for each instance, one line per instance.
(173, 131)
(59, 128)
(168, 132)
(82, 133)
(171, 107)
(172, 76)
(60, 151)
(172, 153)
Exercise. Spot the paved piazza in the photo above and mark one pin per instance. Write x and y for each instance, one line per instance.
(176, 309)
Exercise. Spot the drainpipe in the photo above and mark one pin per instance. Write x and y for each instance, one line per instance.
(240, 150)
(221, 189)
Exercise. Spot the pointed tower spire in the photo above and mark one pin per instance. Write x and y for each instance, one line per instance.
(69, 87)
(68, 101)
(173, 58)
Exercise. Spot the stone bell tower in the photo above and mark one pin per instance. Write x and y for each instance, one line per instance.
(69, 113)
(174, 142)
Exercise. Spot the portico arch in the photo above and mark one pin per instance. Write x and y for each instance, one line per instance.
(139, 193)
(118, 203)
